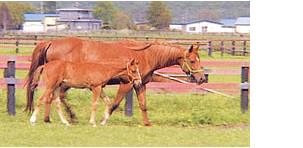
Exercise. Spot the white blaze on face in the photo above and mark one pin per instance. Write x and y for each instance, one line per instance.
(198, 59)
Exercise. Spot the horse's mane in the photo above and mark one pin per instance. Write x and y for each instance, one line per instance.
(146, 46)
(165, 55)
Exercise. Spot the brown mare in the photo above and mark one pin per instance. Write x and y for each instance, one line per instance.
(58, 74)
(152, 56)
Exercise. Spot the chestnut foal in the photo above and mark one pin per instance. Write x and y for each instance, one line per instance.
(57, 74)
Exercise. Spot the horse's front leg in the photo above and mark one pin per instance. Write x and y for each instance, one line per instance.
(123, 90)
(62, 93)
(96, 94)
(142, 103)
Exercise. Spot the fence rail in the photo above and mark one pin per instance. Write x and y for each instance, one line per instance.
(230, 46)
(8, 63)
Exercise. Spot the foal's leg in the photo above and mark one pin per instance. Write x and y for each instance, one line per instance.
(107, 108)
(123, 90)
(48, 101)
(142, 103)
(57, 103)
(44, 96)
(62, 93)
(96, 94)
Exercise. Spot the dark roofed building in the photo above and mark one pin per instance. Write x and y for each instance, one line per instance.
(78, 19)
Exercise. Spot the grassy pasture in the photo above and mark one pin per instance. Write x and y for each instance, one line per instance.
(178, 119)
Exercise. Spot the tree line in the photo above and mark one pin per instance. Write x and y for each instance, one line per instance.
(159, 16)
(120, 15)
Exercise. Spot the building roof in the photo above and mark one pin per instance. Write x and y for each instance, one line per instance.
(79, 20)
(38, 16)
(199, 21)
(73, 9)
(243, 20)
(228, 21)
(196, 21)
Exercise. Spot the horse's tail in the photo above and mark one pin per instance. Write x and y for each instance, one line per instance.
(36, 77)
(38, 58)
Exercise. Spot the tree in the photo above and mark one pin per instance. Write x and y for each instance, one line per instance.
(122, 21)
(4, 16)
(15, 16)
(159, 15)
(49, 6)
(105, 10)
(210, 15)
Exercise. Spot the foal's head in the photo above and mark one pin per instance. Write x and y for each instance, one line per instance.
(134, 76)
(190, 64)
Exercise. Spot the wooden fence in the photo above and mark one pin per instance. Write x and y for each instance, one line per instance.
(11, 63)
(234, 47)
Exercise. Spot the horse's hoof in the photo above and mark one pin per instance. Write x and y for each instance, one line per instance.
(147, 124)
(67, 124)
(103, 123)
(94, 125)
(33, 123)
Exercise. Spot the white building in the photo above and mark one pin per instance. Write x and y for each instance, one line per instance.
(36, 22)
(201, 26)
(243, 24)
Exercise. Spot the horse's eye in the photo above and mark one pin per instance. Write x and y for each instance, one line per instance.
(193, 62)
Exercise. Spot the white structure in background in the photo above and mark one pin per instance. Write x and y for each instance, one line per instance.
(176, 27)
(243, 24)
(239, 25)
(201, 26)
(37, 22)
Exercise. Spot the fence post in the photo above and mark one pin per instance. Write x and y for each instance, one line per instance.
(129, 103)
(244, 48)
(11, 98)
(17, 46)
(233, 48)
(209, 48)
(244, 91)
(222, 48)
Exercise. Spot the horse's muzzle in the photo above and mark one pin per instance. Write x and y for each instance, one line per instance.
(199, 79)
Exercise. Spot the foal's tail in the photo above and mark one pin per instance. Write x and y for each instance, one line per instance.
(36, 78)
(38, 58)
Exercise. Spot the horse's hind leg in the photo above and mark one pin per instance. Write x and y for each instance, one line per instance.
(48, 101)
(57, 103)
(96, 94)
(44, 96)
(107, 108)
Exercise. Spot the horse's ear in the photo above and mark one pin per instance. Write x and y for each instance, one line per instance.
(196, 49)
(137, 62)
(132, 62)
(191, 49)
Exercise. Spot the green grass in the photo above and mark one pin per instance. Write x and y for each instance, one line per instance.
(178, 120)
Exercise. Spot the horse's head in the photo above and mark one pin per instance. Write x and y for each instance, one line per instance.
(190, 64)
(134, 76)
